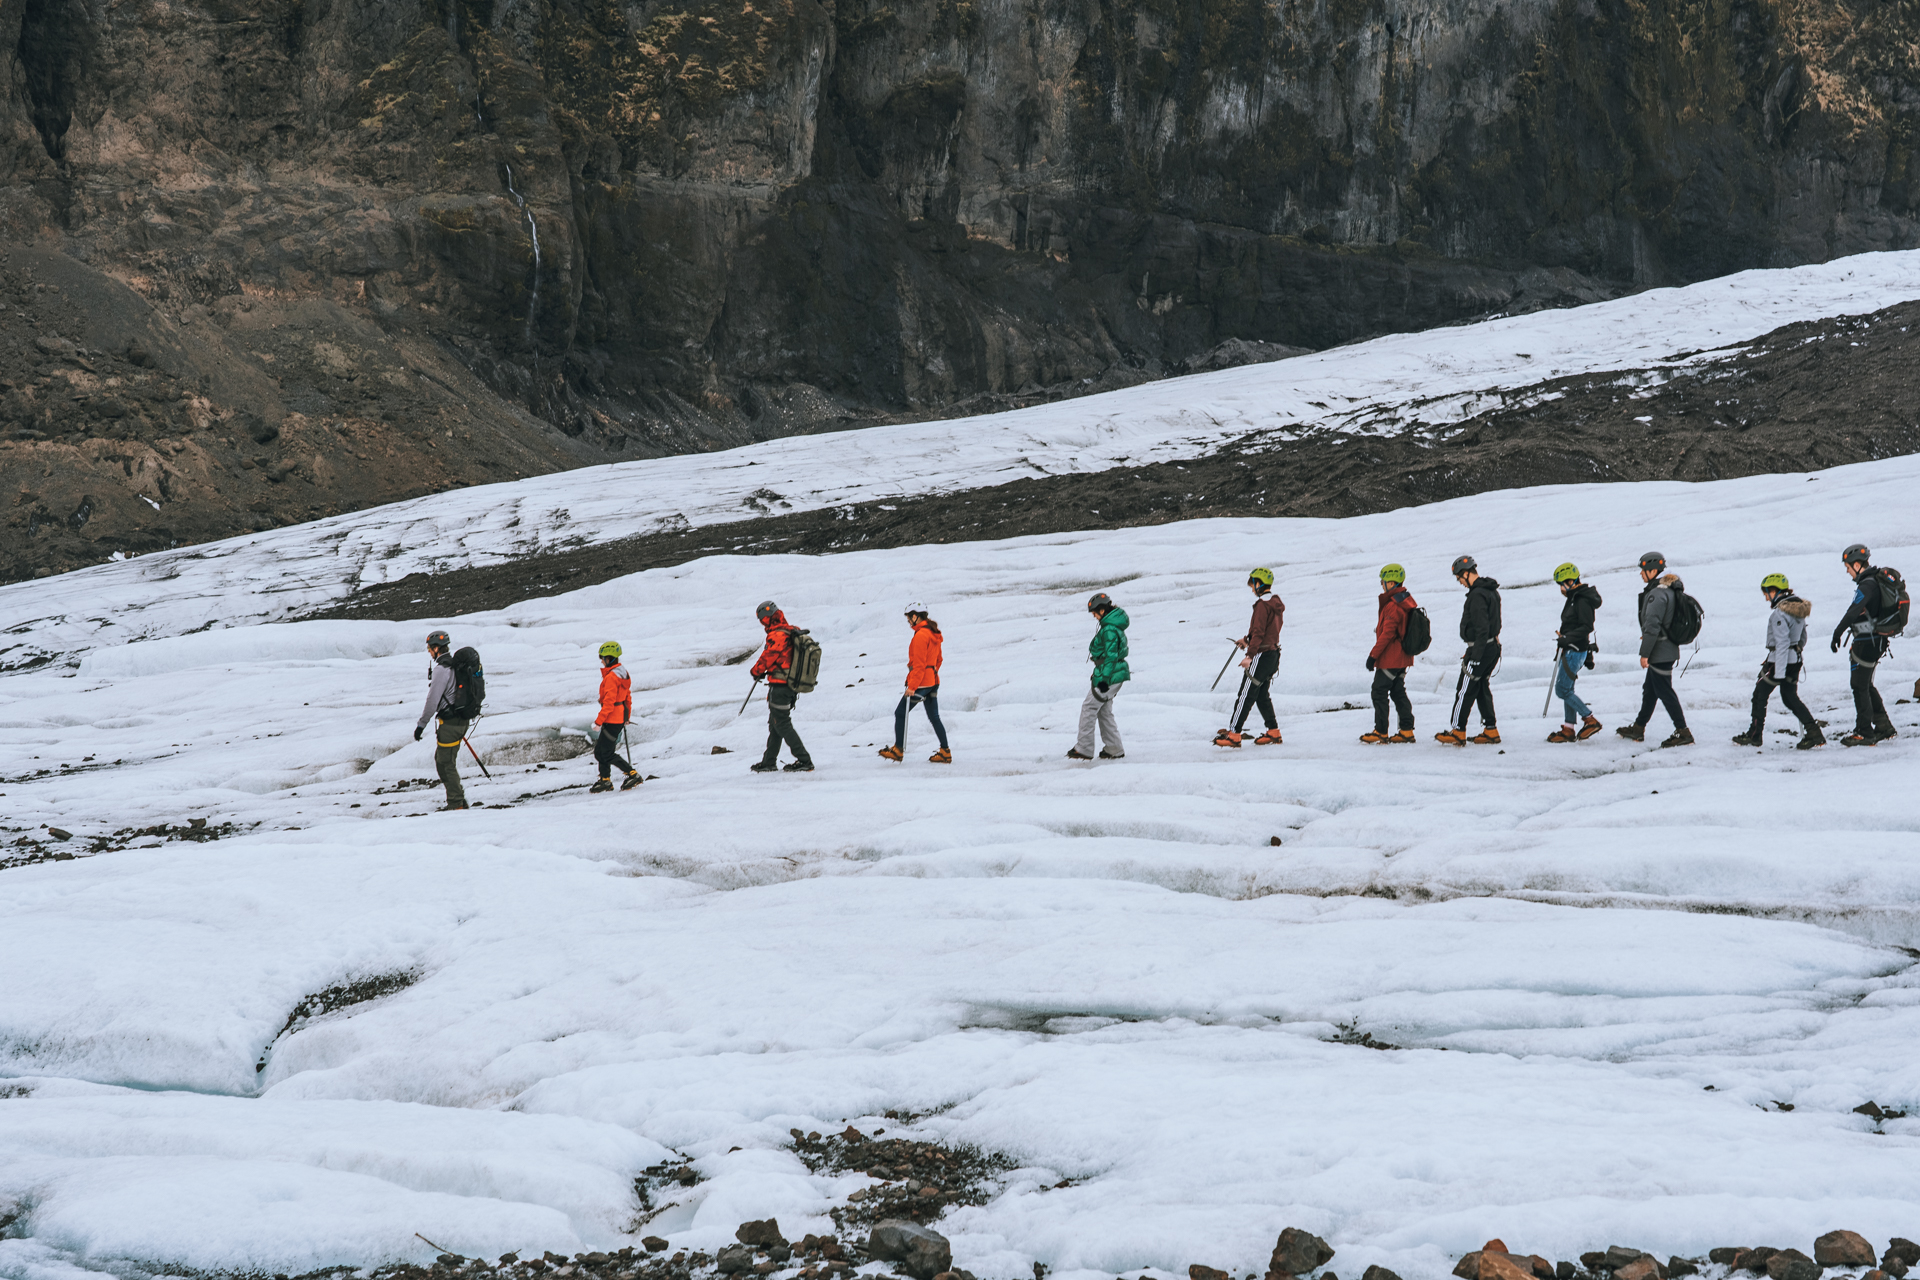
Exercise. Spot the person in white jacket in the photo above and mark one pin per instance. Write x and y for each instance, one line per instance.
(1786, 639)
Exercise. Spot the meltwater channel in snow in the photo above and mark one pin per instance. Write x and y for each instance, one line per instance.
(1608, 969)
(1437, 376)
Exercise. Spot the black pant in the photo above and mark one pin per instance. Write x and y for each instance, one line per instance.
(1789, 696)
(604, 754)
(1869, 712)
(780, 700)
(929, 698)
(1256, 691)
(1391, 684)
(1658, 687)
(1479, 689)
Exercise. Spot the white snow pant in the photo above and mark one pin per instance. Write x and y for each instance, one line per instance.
(1099, 708)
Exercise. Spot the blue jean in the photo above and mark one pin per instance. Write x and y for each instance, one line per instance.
(929, 698)
(1563, 677)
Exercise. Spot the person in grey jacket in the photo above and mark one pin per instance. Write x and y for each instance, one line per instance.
(1786, 640)
(452, 730)
(1657, 652)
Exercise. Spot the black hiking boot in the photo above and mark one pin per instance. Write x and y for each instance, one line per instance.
(1681, 737)
(604, 784)
(1751, 738)
(633, 780)
(1112, 755)
(764, 766)
(1813, 738)
(451, 805)
(1634, 732)
(1858, 739)
(1075, 753)
(799, 766)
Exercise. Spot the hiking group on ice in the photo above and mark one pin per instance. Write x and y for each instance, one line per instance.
(1668, 618)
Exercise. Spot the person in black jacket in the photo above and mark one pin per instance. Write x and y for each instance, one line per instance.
(1871, 723)
(1573, 650)
(1480, 628)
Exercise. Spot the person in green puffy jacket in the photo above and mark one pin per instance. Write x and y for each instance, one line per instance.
(1108, 653)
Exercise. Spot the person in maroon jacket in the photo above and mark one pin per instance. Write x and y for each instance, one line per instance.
(1388, 661)
(1262, 643)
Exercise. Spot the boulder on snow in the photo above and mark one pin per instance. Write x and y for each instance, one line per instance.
(1643, 1267)
(1901, 1250)
(734, 1258)
(764, 1234)
(653, 1244)
(1791, 1264)
(1198, 1272)
(1298, 1252)
(924, 1254)
(1377, 1272)
(1843, 1249)
(1679, 1266)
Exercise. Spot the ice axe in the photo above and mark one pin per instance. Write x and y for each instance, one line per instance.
(476, 758)
(1223, 669)
(1559, 652)
(1457, 686)
(749, 698)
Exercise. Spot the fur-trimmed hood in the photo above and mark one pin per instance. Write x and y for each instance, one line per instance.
(1795, 607)
(1670, 580)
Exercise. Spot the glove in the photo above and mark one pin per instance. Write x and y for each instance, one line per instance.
(1100, 688)
(417, 731)
(1589, 659)
(1370, 664)
(1836, 644)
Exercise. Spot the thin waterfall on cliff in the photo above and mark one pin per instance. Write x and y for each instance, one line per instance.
(533, 233)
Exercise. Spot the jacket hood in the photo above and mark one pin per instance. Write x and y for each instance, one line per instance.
(779, 619)
(1484, 581)
(1795, 607)
(1116, 617)
(1670, 580)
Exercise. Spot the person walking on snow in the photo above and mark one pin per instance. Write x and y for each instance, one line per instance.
(1786, 643)
(616, 709)
(453, 721)
(1107, 651)
(1480, 628)
(1262, 645)
(1871, 604)
(1574, 648)
(923, 686)
(1388, 660)
(1659, 600)
(775, 665)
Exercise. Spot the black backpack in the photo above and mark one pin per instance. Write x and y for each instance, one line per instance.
(1892, 618)
(1688, 617)
(469, 685)
(1417, 635)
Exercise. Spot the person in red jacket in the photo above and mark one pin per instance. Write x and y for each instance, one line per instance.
(775, 662)
(616, 708)
(923, 685)
(1388, 661)
(1262, 643)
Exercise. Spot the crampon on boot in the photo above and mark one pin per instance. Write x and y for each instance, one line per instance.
(1633, 732)
(1075, 753)
(603, 784)
(942, 756)
(891, 753)
(1106, 754)
(1811, 739)
(1681, 737)
(763, 766)
(799, 766)
(1751, 738)
(1565, 733)
(633, 780)
(1373, 737)
(1588, 727)
(1451, 738)
(1405, 735)
(1487, 737)
(1227, 738)
(1857, 739)
(1271, 738)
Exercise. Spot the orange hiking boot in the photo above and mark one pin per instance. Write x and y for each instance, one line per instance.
(890, 753)
(1565, 733)
(1228, 738)
(1373, 737)
(942, 756)
(1451, 738)
(1271, 738)
(1589, 727)
(1405, 735)
(1487, 737)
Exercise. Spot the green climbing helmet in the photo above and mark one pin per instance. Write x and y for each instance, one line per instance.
(1775, 581)
(609, 650)
(1262, 576)
(1393, 573)
(1568, 572)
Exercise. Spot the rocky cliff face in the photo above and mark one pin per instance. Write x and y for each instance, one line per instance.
(566, 230)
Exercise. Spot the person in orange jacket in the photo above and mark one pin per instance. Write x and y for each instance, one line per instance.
(616, 708)
(923, 685)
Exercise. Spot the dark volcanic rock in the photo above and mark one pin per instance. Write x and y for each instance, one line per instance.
(921, 1252)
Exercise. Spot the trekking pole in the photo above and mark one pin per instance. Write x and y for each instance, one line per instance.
(749, 698)
(1223, 670)
(1559, 652)
(1457, 686)
(477, 760)
(1690, 658)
